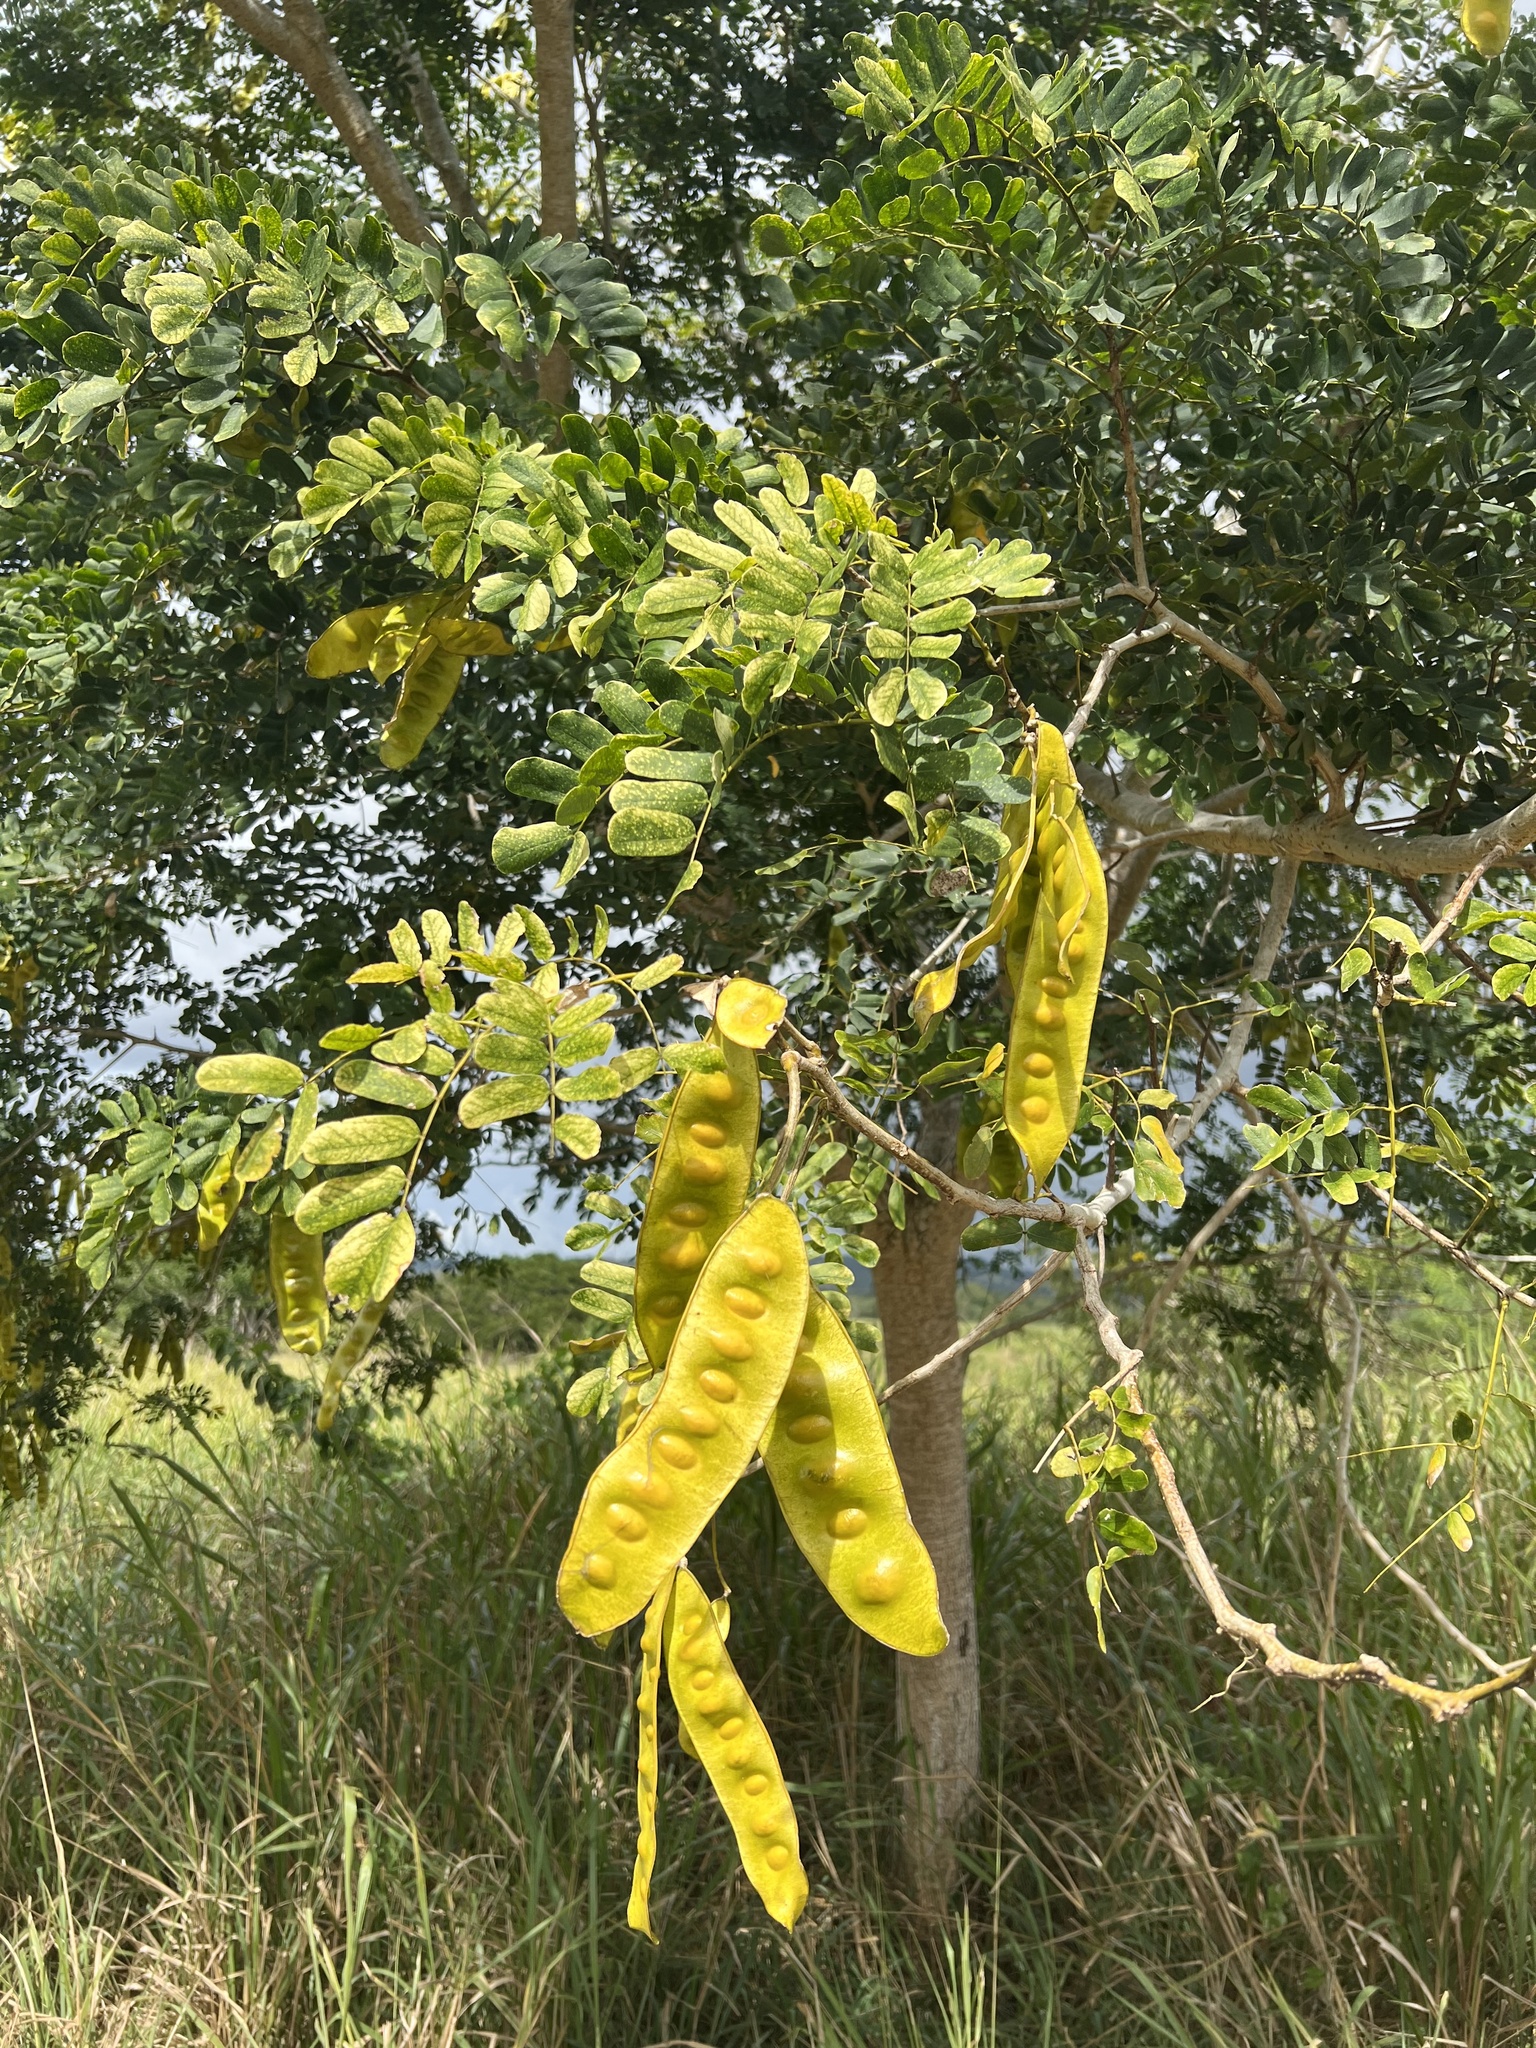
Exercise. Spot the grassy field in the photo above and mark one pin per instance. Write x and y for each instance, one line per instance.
(296, 1750)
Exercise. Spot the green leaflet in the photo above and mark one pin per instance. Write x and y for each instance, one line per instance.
(249, 1073)
(686, 798)
(346, 1198)
(385, 1084)
(360, 1138)
(505, 1052)
(368, 1262)
(515, 1008)
(648, 835)
(517, 847)
(494, 1101)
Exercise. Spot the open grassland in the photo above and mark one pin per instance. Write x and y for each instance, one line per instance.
(297, 1751)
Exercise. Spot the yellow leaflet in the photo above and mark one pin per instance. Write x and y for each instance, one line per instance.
(735, 1749)
(647, 1769)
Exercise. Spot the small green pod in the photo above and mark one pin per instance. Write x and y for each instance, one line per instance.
(735, 1749)
(837, 1484)
(348, 1355)
(1057, 989)
(652, 1495)
(698, 1185)
(296, 1267)
(647, 1766)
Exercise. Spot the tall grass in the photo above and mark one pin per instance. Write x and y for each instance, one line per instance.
(295, 1750)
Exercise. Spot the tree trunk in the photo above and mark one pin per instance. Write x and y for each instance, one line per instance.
(298, 36)
(554, 69)
(939, 1698)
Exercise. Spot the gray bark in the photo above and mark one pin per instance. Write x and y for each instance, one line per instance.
(299, 38)
(939, 1698)
(554, 43)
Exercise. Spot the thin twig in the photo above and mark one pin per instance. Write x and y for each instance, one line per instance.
(1089, 1216)
(791, 1121)
(984, 1330)
(1347, 1509)
(1262, 1637)
(1141, 636)
(1462, 1257)
(1282, 893)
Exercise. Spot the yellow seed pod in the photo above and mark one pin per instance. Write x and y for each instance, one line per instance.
(1012, 901)
(651, 1496)
(735, 1749)
(749, 1012)
(426, 690)
(217, 1201)
(837, 1484)
(296, 1267)
(348, 1355)
(647, 1771)
(347, 643)
(629, 1414)
(698, 1185)
(1485, 24)
(1057, 987)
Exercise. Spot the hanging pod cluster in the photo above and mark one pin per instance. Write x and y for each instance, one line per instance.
(1050, 916)
(745, 1357)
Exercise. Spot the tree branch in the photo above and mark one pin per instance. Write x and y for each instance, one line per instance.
(442, 152)
(1282, 893)
(298, 37)
(1347, 1510)
(1262, 1637)
(984, 1330)
(1319, 837)
(554, 66)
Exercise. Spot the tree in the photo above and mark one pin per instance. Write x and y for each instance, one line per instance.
(1237, 361)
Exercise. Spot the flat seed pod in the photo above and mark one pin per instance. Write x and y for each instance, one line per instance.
(936, 991)
(1057, 989)
(643, 834)
(295, 1265)
(360, 1138)
(348, 1355)
(837, 1484)
(1485, 24)
(735, 1749)
(647, 1769)
(650, 1497)
(347, 643)
(426, 691)
(698, 1185)
(217, 1201)
(347, 1197)
(249, 1073)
